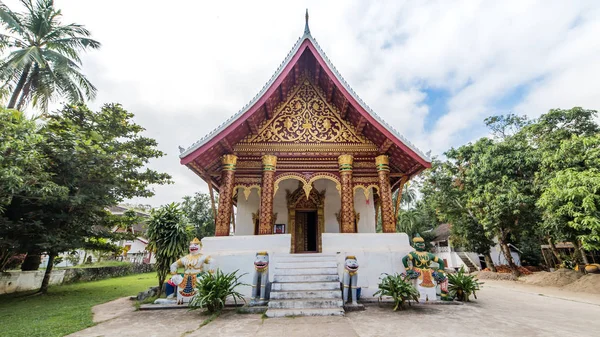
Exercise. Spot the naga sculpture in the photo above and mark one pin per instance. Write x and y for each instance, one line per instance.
(261, 279)
(424, 276)
(193, 264)
(350, 278)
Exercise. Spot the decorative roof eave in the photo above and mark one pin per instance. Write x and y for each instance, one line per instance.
(306, 41)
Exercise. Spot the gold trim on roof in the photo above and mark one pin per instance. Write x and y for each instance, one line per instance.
(305, 117)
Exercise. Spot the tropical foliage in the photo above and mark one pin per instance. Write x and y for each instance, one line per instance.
(169, 237)
(197, 210)
(215, 288)
(44, 56)
(462, 285)
(399, 288)
(531, 181)
(88, 161)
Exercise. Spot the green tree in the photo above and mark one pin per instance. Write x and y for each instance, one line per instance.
(169, 236)
(197, 210)
(445, 193)
(100, 158)
(23, 174)
(44, 61)
(547, 134)
(571, 200)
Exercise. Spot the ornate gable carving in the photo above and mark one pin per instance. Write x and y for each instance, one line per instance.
(306, 117)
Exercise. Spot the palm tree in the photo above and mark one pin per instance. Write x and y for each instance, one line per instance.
(409, 222)
(409, 195)
(44, 61)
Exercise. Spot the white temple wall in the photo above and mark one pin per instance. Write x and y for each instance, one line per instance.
(245, 208)
(280, 202)
(377, 253)
(365, 207)
(231, 253)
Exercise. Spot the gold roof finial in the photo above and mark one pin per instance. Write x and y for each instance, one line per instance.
(306, 29)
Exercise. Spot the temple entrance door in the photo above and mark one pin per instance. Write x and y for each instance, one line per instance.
(306, 232)
(306, 219)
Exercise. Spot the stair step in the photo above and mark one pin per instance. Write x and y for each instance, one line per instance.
(306, 271)
(305, 264)
(306, 278)
(305, 286)
(310, 303)
(291, 258)
(277, 295)
(305, 312)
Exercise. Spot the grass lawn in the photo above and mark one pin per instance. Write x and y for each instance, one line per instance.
(65, 309)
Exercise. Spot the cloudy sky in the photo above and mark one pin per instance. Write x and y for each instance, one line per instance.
(432, 69)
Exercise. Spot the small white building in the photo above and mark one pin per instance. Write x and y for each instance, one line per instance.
(455, 257)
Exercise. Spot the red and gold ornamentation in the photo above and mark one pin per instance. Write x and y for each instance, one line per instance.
(385, 193)
(347, 211)
(226, 194)
(266, 196)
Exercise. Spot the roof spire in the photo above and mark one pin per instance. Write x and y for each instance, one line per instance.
(306, 29)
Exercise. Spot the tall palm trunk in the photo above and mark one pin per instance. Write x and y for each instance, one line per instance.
(27, 87)
(19, 87)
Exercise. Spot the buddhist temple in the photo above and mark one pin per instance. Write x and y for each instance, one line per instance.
(305, 157)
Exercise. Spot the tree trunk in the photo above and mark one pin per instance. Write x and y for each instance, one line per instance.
(27, 88)
(19, 87)
(46, 280)
(489, 262)
(509, 258)
(554, 250)
(32, 261)
(580, 258)
(584, 258)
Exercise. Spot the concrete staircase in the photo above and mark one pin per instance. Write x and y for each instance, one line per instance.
(305, 285)
(467, 261)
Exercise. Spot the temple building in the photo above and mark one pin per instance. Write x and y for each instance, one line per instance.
(309, 167)
(305, 157)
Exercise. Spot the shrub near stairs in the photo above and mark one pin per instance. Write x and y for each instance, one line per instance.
(399, 288)
(462, 285)
(215, 288)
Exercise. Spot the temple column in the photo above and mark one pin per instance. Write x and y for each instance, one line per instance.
(265, 225)
(226, 195)
(385, 194)
(347, 211)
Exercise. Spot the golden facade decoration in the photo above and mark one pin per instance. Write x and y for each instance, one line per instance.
(306, 117)
(247, 190)
(307, 182)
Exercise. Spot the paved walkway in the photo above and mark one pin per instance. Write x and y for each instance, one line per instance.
(503, 309)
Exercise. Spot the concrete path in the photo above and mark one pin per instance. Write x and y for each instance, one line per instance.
(503, 309)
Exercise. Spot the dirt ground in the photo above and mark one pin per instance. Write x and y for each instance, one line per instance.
(504, 308)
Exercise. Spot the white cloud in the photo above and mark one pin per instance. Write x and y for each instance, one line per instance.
(183, 67)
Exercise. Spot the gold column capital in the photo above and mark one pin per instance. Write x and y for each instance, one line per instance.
(269, 162)
(345, 161)
(229, 161)
(382, 163)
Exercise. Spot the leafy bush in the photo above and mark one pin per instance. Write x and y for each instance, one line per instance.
(462, 285)
(215, 288)
(399, 288)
